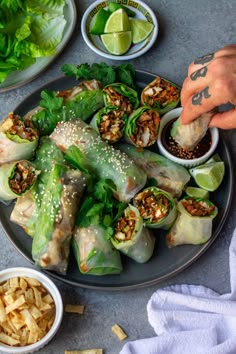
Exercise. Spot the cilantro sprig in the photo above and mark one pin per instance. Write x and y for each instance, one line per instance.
(102, 72)
(100, 207)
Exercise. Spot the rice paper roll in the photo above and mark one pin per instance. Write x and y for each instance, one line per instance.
(24, 213)
(161, 94)
(193, 224)
(56, 217)
(94, 253)
(131, 237)
(168, 175)
(110, 123)
(102, 159)
(26, 209)
(86, 85)
(16, 178)
(121, 96)
(81, 101)
(157, 208)
(189, 135)
(18, 139)
(142, 127)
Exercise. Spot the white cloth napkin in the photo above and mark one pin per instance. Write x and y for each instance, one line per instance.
(191, 319)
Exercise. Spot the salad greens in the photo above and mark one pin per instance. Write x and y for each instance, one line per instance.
(103, 72)
(29, 29)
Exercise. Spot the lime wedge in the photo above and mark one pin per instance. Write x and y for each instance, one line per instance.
(99, 22)
(141, 29)
(209, 176)
(196, 192)
(113, 6)
(117, 43)
(118, 21)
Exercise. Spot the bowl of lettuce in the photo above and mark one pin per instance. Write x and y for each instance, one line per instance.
(32, 34)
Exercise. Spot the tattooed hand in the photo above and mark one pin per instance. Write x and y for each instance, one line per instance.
(211, 82)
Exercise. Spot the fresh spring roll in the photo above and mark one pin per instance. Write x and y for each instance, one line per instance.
(103, 159)
(193, 224)
(24, 212)
(142, 127)
(16, 178)
(189, 135)
(55, 221)
(157, 208)
(131, 237)
(110, 123)
(26, 209)
(95, 254)
(121, 96)
(81, 101)
(18, 139)
(168, 175)
(161, 95)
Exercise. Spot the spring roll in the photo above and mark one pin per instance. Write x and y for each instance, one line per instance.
(142, 127)
(26, 209)
(131, 237)
(94, 253)
(189, 135)
(168, 175)
(121, 96)
(105, 161)
(193, 224)
(161, 95)
(157, 208)
(110, 123)
(16, 178)
(18, 139)
(24, 213)
(81, 101)
(55, 221)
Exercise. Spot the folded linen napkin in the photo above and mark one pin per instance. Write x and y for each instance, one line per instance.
(191, 319)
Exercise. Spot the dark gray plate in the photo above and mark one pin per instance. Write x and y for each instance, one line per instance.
(165, 262)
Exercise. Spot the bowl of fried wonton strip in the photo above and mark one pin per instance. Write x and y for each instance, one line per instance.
(31, 310)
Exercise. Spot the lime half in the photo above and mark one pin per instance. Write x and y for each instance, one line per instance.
(209, 176)
(141, 29)
(196, 192)
(99, 22)
(118, 21)
(117, 43)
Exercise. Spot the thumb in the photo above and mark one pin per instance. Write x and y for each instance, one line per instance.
(224, 120)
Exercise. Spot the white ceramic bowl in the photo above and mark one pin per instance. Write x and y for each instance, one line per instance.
(142, 11)
(175, 113)
(54, 292)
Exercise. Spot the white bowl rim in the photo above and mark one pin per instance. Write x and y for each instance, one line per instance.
(190, 162)
(8, 273)
(119, 57)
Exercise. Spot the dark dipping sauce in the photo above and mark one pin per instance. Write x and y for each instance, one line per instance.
(176, 150)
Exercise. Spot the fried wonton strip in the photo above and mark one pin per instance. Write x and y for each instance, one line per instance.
(75, 309)
(84, 351)
(3, 314)
(119, 332)
(4, 338)
(16, 304)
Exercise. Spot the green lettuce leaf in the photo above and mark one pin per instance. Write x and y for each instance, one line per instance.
(28, 30)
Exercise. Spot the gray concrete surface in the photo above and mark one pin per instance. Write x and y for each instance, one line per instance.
(188, 29)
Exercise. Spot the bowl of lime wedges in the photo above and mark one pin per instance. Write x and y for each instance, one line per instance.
(119, 31)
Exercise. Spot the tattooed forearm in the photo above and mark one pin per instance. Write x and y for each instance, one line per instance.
(205, 59)
(199, 73)
(198, 97)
